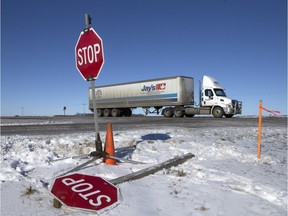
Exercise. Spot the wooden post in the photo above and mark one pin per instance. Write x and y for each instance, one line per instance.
(151, 170)
(259, 129)
(56, 203)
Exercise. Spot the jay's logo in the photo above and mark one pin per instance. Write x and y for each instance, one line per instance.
(152, 87)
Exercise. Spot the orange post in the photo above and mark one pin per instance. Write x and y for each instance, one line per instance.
(259, 129)
(109, 145)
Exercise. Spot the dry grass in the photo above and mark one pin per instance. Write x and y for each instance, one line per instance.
(29, 191)
(202, 208)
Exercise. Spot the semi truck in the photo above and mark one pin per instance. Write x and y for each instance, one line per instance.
(170, 96)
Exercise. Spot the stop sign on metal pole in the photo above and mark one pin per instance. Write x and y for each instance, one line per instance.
(89, 57)
(85, 192)
(89, 54)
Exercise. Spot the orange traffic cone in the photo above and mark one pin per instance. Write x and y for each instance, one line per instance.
(109, 145)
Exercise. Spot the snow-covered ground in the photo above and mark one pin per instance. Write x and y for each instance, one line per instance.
(224, 178)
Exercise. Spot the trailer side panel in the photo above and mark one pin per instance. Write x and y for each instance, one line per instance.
(172, 91)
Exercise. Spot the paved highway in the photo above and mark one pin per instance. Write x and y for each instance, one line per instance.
(75, 124)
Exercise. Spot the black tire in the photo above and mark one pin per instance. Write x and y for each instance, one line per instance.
(107, 112)
(189, 115)
(115, 112)
(121, 112)
(127, 112)
(228, 115)
(218, 112)
(168, 112)
(99, 112)
(178, 112)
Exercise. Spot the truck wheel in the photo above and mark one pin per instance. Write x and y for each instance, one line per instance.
(168, 112)
(218, 112)
(121, 112)
(228, 115)
(115, 112)
(178, 112)
(127, 112)
(99, 112)
(189, 115)
(107, 112)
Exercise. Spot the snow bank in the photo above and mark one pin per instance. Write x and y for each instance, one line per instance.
(225, 177)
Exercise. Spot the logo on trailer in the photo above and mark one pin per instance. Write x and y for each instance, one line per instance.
(152, 87)
(161, 86)
(98, 94)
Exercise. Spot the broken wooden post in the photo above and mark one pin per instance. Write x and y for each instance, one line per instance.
(153, 169)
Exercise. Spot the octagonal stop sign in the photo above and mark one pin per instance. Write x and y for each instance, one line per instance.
(85, 192)
(89, 54)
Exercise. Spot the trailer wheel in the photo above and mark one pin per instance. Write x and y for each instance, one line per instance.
(168, 112)
(99, 112)
(218, 112)
(115, 112)
(107, 112)
(178, 112)
(121, 112)
(127, 112)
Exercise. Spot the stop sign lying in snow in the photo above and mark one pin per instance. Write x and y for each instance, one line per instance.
(85, 192)
(89, 54)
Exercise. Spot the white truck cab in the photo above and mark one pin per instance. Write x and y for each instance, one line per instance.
(214, 96)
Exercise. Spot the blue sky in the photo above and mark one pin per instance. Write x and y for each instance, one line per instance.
(242, 43)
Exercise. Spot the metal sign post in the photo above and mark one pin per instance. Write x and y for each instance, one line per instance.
(89, 61)
(98, 142)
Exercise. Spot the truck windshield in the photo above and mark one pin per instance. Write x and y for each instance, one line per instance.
(220, 92)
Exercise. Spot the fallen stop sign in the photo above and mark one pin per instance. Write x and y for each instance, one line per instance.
(85, 192)
(89, 54)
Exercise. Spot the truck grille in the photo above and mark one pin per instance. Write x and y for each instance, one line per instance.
(237, 105)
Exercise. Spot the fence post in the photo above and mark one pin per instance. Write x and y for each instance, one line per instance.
(259, 129)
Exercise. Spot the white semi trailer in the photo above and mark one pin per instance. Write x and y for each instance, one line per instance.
(172, 96)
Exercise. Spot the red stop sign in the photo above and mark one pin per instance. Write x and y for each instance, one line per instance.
(85, 192)
(89, 54)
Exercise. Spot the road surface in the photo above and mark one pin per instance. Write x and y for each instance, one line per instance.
(75, 124)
